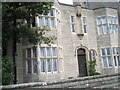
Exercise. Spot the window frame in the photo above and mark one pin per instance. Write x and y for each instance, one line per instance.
(73, 23)
(106, 56)
(84, 24)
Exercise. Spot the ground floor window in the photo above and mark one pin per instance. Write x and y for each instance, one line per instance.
(110, 57)
(92, 54)
(50, 59)
(49, 65)
(107, 60)
(116, 56)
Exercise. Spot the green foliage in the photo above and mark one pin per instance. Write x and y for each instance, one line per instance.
(14, 15)
(7, 71)
(92, 70)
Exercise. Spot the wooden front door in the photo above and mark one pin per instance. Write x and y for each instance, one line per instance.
(82, 62)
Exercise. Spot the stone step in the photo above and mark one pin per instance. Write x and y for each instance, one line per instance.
(92, 85)
(84, 84)
(113, 85)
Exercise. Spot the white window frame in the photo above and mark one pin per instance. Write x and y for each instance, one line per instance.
(84, 24)
(116, 55)
(73, 23)
(106, 56)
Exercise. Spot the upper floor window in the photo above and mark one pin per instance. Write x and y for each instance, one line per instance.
(84, 24)
(73, 23)
(107, 24)
(51, 20)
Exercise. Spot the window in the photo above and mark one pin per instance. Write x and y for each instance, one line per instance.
(84, 25)
(104, 62)
(92, 55)
(49, 59)
(42, 64)
(42, 52)
(48, 51)
(105, 29)
(107, 24)
(100, 29)
(73, 23)
(104, 20)
(35, 66)
(49, 65)
(108, 51)
(46, 22)
(29, 66)
(99, 21)
(103, 51)
(106, 57)
(29, 53)
(110, 61)
(116, 56)
(54, 51)
(34, 52)
(51, 20)
(55, 64)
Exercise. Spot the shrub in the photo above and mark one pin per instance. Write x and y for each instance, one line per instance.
(7, 71)
(92, 70)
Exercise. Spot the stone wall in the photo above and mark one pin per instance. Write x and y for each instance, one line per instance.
(99, 81)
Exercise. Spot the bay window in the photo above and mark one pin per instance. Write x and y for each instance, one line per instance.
(107, 24)
(48, 57)
(50, 20)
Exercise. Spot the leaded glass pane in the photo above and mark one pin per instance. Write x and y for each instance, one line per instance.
(29, 53)
(34, 51)
(99, 21)
(105, 29)
(49, 65)
(115, 60)
(103, 51)
(42, 52)
(29, 66)
(35, 66)
(104, 62)
(73, 27)
(54, 64)
(108, 51)
(48, 51)
(42, 65)
(104, 21)
(54, 51)
(118, 60)
(100, 29)
(110, 61)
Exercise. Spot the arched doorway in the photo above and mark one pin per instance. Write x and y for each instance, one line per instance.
(82, 65)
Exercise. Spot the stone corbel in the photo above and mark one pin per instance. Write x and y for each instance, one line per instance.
(80, 35)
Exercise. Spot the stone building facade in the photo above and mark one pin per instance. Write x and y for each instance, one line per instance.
(83, 34)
